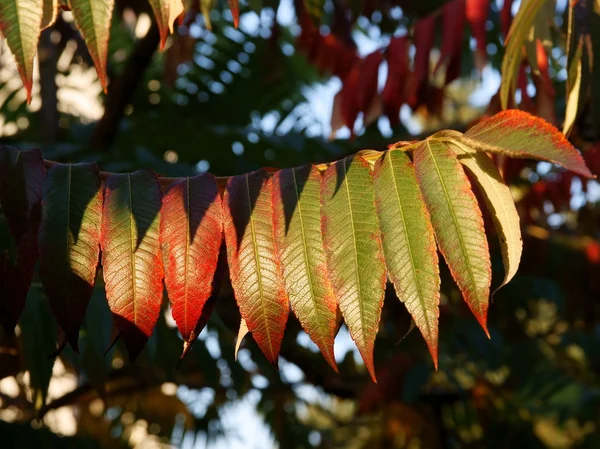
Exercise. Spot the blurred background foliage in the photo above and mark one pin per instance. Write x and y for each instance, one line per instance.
(230, 101)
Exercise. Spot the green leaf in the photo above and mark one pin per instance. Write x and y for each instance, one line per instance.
(573, 87)
(521, 135)
(297, 221)
(254, 265)
(39, 342)
(93, 18)
(353, 247)
(457, 223)
(69, 242)
(500, 203)
(166, 11)
(20, 24)
(408, 243)
(515, 40)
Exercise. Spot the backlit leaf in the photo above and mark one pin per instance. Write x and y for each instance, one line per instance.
(297, 221)
(573, 87)
(234, 6)
(131, 259)
(500, 203)
(166, 11)
(517, 35)
(521, 135)
(408, 243)
(69, 242)
(353, 247)
(191, 235)
(240, 337)
(20, 24)
(93, 18)
(253, 261)
(457, 223)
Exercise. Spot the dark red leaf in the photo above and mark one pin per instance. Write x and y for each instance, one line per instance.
(349, 96)
(477, 14)
(393, 92)
(367, 84)
(453, 17)
(423, 40)
(191, 234)
(131, 261)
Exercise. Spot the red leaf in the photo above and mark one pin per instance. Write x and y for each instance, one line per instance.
(453, 25)
(69, 241)
(367, 83)
(234, 6)
(253, 262)
(191, 233)
(131, 259)
(349, 96)
(393, 92)
(423, 40)
(477, 14)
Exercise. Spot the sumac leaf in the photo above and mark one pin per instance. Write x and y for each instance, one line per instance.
(50, 13)
(477, 13)
(423, 39)
(500, 203)
(93, 18)
(166, 11)
(519, 134)
(398, 69)
(191, 234)
(297, 221)
(353, 248)
(453, 17)
(21, 178)
(408, 243)
(69, 242)
(20, 24)
(254, 265)
(457, 223)
(367, 83)
(234, 6)
(131, 261)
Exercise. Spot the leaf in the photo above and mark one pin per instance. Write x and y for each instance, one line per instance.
(20, 24)
(297, 221)
(93, 18)
(253, 262)
(69, 242)
(234, 6)
(131, 259)
(408, 243)
(517, 35)
(21, 177)
(367, 82)
(205, 7)
(499, 202)
(573, 88)
(521, 135)
(349, 96)
(477, 14)
(457, 223)
(39, 337)
(50, 13)
(166, 11)
(423, 39)
(353, 248)
(240, 336)
(398, 70)
(454, 17)
(191, 233)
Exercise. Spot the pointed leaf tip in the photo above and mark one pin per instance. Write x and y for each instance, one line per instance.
(353, 248)
(93, 19)
(519, 134)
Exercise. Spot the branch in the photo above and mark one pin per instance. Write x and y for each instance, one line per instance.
(121, 89)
